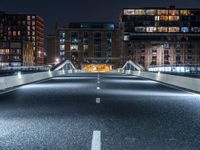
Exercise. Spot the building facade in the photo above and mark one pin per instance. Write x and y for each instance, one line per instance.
(161, 36)
(24, 27)
(16, 53)
(86, 43)
(52, 53)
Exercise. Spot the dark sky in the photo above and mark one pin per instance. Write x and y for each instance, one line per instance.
(64, 11)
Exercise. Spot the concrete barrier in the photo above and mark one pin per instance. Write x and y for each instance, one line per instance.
(179, 81)
(21, 79)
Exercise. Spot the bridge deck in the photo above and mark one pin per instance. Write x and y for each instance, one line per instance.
(115, 112)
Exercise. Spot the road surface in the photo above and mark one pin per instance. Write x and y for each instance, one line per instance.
(99, 112)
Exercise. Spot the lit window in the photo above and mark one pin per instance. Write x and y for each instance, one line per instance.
(14, 33)
(162, 12)
(174, 29)
(4, 51)
(62, 35)
(195, 29)
(62, 41)
(28, 27)
(74, 38)
(128, 11)
(18, 33)
(73, 47)
(164, 18)
(185, 12)
(126, 37)
(85, 47)
(62, 47)
(28, 17)
(157, 18)
(33, 23)
(62, 53)
(139, 12)
(151, 12)
(162, 29)
(151, 29)
(184, 29)
(173, 12)
(173, 18)
(139, 29)
(166, 45)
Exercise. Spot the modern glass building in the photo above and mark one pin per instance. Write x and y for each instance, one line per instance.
(161, 36)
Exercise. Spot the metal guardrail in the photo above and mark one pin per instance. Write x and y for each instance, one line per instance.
(25, 68)
(175, 68)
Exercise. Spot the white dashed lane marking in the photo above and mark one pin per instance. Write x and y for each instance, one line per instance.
(98, 100)
(96, 140)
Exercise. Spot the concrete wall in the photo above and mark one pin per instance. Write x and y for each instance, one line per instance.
(17, 80)
(179, 81)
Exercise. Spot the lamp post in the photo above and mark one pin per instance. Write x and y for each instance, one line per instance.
(57, 61)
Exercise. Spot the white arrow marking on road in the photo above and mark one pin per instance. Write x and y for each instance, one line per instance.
(96, 140)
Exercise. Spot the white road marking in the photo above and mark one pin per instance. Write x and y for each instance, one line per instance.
(98, 100)
(96, 140)
(98, 82)
(98, 88)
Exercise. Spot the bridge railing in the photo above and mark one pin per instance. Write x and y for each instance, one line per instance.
(189, 83)
(19, 79)
(183, 68)
(130, 65)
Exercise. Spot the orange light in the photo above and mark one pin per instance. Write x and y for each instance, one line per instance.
(97, 68)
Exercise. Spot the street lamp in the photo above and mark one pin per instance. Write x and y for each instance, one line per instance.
(39, 52)
(57, 60)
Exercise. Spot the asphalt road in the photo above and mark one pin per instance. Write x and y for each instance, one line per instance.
(129, 113)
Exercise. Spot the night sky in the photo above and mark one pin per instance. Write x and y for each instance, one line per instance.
(65, 11)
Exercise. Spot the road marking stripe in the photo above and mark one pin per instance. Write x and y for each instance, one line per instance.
(96, 140)
(98, 82)
(98, 88)
(98, 100)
